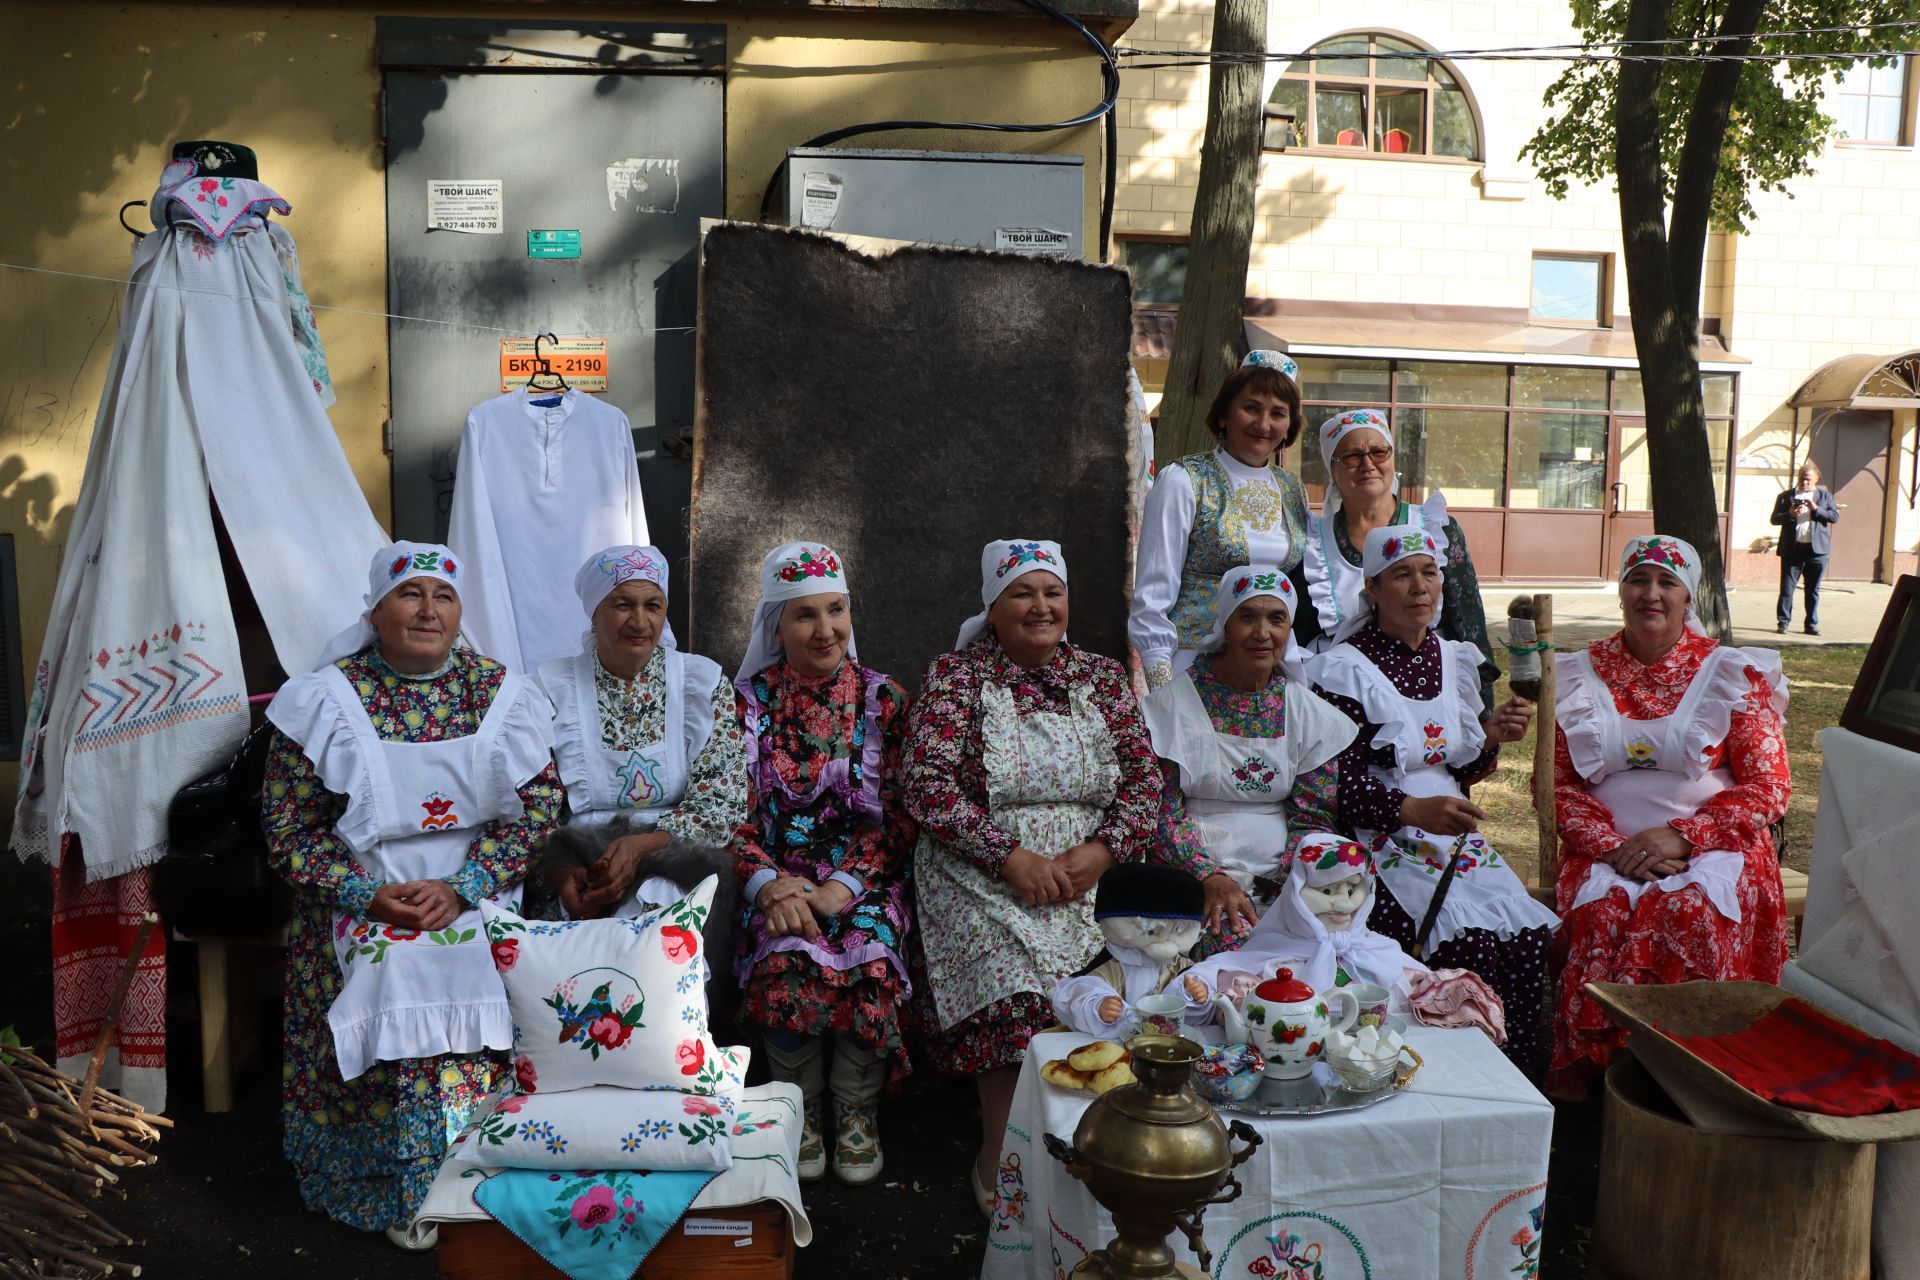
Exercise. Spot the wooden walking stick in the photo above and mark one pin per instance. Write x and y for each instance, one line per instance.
(112, 1019)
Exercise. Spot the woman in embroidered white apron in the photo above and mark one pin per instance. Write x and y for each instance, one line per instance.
(1211, 511)
(1669, 768)
(822, 858)
(1243, 742)
(408, 781)
(1363, 494)
(1421, 744)
(643, 734)
(1030, 773)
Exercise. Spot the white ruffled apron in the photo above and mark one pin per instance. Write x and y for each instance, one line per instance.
(1235, 789)
(404, 993)
(1648, 778)
(1050, 779)
(1426, 738)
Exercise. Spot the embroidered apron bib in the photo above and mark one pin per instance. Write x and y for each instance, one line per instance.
(1647, 780)
(1050, 779)
(1235, 788)
(1432, 735)
(405, 993)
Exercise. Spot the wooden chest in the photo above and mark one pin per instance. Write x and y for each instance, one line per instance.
(488, 1251)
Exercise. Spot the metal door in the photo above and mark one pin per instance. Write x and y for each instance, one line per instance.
(561, 143)
(1630, 491)
(1850, 448)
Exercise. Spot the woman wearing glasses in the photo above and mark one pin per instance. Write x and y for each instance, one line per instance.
(1209, 512)
(1364, 495)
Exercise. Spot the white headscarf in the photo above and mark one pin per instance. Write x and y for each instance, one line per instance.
(1291, 934)
(605, 570)
(1331, 433)
(1278, 361)
(393, 564)
(1674, 555)
(1247, 582)
(790, 570)
(1001, 563)
(1392, 543)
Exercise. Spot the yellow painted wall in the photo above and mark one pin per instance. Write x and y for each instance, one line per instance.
(90, 113)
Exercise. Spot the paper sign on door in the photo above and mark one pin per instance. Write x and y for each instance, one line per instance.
(475, 206)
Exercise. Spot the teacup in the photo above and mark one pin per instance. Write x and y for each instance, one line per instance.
(1159, 1014)
(1372, 999)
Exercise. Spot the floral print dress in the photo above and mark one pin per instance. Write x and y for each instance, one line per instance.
(366, 1151)
(970, 772)
(633, 714)
(1668, 937)
(825, 804)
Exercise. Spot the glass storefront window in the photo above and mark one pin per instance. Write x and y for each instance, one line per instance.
(1462, 452)
(1636, 463)
(1544, 386)
(1559, 461)
(1431, 383)
(1349, 384)
(1716, 389)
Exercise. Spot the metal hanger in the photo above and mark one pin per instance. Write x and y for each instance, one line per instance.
(541, 365)
(138, 236)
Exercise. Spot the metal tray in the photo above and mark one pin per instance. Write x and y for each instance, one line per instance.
(1319, 1093)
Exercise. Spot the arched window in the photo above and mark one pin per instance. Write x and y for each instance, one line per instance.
(1373, 92)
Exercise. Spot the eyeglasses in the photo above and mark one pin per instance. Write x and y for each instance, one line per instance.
(1379, 456)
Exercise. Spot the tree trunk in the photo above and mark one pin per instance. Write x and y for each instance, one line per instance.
(1206, 338)
(1665, 325)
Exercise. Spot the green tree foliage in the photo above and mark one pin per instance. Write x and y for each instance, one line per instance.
(1688, 144)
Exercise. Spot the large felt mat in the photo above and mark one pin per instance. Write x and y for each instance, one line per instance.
(906, 407)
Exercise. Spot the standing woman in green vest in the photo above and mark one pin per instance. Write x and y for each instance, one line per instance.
(1211, 511)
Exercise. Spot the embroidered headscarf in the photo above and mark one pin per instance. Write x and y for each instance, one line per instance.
(393, 564)
(605, 570)
(1247, 582)
(1336, 428)
(1390, 544)
(1291, 934)
(1001, 564)
(790, 570)
(1278, 361)
(1674, 555)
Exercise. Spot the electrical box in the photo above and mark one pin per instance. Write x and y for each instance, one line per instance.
(987, 200)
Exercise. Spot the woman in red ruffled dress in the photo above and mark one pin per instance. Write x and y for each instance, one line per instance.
(1670, 766)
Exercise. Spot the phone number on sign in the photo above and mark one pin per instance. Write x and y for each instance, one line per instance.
(559, 364)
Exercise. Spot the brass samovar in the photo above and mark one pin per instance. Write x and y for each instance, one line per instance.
(1155, 1156)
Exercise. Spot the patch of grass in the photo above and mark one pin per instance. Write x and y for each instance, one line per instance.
(1819, 680)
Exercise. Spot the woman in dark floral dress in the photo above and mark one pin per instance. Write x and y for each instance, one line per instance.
(365, 1147)
(822, 856)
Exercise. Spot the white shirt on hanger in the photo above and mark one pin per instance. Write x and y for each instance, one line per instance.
(537, 490)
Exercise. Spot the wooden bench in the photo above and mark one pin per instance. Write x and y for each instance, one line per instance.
(1794, 883)
(488, 1251)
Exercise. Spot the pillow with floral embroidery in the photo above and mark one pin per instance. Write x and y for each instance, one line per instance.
(619, 1002)
(606, 1127)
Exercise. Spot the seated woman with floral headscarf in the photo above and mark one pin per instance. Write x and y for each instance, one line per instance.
(1670, 766)
(1248, 751)
(822, 856)
(407, 781)
(1415, 699)
(647, 739)
(1030, 774)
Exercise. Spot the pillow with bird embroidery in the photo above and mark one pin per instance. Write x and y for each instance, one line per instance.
(620, 1002)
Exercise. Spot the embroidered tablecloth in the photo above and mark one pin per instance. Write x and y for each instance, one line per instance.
(766, 1145)
(1447, 1180)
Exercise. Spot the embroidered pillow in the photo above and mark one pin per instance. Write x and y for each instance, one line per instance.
(606, 1127)
(619, 1002)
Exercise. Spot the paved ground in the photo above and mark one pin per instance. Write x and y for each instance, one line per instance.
(1849, 613)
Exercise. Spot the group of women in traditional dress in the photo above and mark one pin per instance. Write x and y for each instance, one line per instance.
(928, 868)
